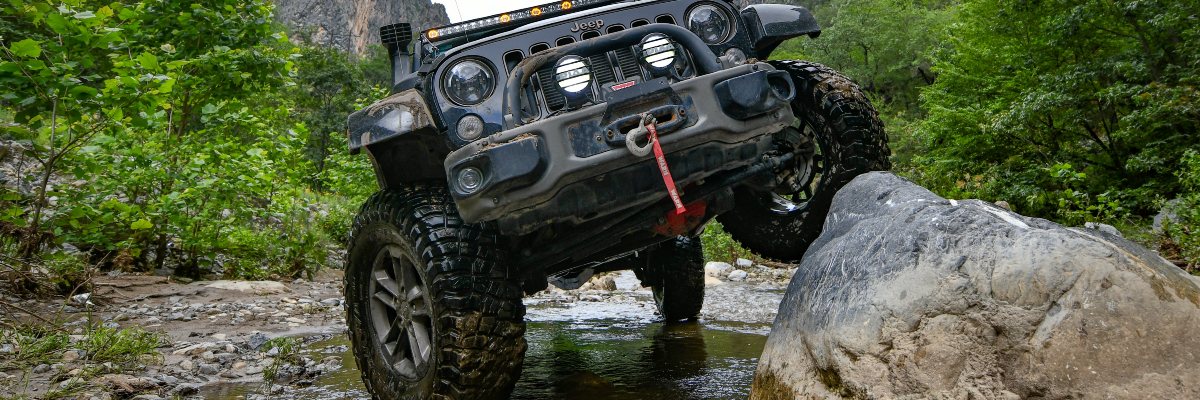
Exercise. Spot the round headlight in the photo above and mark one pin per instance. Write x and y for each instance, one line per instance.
(470, 127)
(572, 74)
(469, 179)
(658, 52)
(709, 23)
(469, 82)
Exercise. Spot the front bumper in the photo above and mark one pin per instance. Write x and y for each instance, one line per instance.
(569, 168)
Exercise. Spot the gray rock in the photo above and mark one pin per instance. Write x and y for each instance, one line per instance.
(41, 369)
(185, 389)
(255, 287)
(717, 269)
(257, 340)
(70, 355)
(1169, 214)
(1106, 228)
(744, 263)
(209, 369)
(906, 294)
(738, 275)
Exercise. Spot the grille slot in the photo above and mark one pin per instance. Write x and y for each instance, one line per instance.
(554, 98)
(603, 69)
(629, 64)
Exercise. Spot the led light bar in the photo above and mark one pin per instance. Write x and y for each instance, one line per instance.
(519, 17)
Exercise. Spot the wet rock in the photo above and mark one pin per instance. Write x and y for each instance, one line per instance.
(255, 287)
(717, 269)
(606, 282)
(907, 294)
(185, 389)
(738, 275)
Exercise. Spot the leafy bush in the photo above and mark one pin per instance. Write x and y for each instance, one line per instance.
(720, 246)
(1183, 234)
(206, 142)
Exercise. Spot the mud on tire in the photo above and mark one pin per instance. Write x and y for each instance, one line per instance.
(475, 329)
(851, 141)
(674, 271)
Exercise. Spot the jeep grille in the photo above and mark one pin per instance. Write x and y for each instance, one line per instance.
(608, 69)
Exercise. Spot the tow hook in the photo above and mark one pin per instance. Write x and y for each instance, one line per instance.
(647, 128)
(641, 133)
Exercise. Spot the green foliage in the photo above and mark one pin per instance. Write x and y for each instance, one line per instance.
(286, 352)
(125, 347)
(1183, 234)
(179, 134)
(1108, 88)
(34, 345)
(720, 246)
(885, 45)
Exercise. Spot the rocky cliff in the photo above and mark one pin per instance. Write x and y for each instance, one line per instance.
(354, 25)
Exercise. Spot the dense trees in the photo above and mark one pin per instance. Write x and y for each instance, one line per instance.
(1070, 110)
(183, 134)
(154, 134)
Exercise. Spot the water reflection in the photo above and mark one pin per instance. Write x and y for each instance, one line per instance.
(598, 359)
(660, 361)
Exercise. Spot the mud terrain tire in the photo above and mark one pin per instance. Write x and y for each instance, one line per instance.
(674, 271)
(851, 141)
(414, 269)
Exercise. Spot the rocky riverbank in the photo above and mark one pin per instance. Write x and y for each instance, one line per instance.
(251, 333)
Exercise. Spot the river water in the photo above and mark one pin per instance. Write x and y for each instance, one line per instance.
(610, 347)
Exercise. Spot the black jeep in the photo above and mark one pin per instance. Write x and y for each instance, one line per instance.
(548, 144)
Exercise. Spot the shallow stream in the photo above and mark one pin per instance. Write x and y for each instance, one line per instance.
(608, 349)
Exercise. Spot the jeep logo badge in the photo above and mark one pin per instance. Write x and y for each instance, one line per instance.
(587, 26)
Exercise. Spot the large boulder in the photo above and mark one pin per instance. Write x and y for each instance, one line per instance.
(907, 294)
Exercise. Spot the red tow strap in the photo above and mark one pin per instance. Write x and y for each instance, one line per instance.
(666, 171)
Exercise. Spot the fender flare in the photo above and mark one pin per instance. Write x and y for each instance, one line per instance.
(397, 115)
(771, 24)
(401, 137)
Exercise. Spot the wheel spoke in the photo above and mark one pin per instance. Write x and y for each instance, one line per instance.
(405, 367)
(386, 282)
(419, 336)
(414, 295)
(385, 299)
